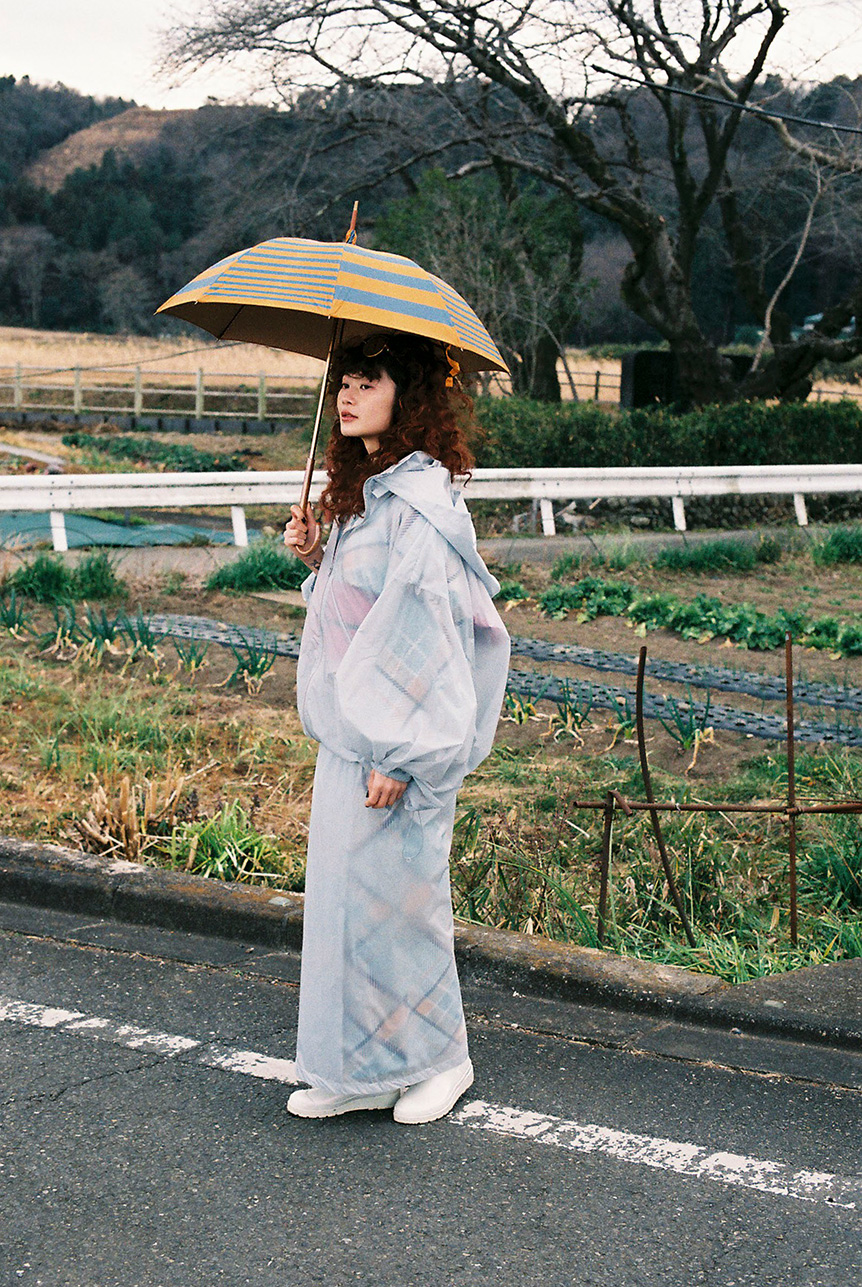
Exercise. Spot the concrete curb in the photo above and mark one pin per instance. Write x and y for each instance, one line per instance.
(69, 880)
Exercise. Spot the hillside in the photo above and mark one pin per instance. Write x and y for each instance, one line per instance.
(127, 135)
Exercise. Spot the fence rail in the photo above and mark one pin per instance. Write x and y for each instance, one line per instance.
(84, 391)
(58, 494)
(239, 396)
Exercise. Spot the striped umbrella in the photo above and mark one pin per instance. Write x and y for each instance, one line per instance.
(310, 296)
(288, 292)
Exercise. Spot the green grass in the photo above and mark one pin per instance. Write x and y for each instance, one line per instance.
(843, 545)
(264, 566)
(228, 846)
(527, 860)
(730, 555)
(48, 579)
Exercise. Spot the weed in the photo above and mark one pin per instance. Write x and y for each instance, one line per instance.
(729, 555)
(564, 566)
(843, 545)
(46, 579)
(95, 577)
(264, 566)
(229, 847)
(173, 582)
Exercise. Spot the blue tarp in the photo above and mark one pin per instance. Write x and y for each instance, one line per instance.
(20, 529)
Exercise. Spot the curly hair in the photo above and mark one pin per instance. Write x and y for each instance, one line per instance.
(429, 416)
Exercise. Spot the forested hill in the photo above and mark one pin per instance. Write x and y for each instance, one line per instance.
(34, 118)
(106, 207)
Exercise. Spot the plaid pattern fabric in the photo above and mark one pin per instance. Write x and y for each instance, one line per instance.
(402, 668)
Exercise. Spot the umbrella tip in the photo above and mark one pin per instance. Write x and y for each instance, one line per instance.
(351, 231)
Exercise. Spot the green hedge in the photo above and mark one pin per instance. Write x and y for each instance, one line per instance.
(519, 432)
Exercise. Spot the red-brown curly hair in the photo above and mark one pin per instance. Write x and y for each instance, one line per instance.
(428, 416)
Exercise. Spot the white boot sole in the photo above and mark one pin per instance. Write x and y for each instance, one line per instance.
(440, 1109)
(358, 1104)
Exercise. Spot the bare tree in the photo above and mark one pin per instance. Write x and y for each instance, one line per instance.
(561, 106)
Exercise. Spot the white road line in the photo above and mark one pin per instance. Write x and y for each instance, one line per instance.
(248, 1062)
(690, 1160)
(663, 1154)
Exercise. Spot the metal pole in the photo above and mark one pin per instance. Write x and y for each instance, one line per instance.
(139, 392)
(606, 868)
(261, 396)
(199, 395)
(791, 783)
(647, 780)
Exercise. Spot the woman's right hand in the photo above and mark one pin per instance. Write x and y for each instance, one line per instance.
(302, 532)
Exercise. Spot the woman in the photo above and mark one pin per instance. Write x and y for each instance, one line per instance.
(400, 679)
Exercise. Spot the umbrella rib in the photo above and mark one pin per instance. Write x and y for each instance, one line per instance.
(227, 325)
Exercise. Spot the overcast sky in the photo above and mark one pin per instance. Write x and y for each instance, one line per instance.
(109, 47)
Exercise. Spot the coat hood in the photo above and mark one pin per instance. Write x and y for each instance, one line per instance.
(424, 483)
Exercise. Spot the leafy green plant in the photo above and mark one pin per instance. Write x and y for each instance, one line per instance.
(573, 710)
(686, 723)
(103, 632)
(264, 566)
(144, 450)
(512, 591)
(831, 870)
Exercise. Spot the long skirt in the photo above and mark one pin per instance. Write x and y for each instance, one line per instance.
(379, 1001)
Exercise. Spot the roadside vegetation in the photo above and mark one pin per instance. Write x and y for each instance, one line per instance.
(187, 755)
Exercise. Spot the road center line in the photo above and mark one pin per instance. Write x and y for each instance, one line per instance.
(663, 1154)
(690, 1160)
(249, 1062)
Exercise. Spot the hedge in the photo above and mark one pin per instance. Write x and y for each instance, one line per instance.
(520, 432)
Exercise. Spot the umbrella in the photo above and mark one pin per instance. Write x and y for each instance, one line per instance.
(311, 296)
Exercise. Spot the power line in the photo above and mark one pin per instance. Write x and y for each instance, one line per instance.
(732, 107)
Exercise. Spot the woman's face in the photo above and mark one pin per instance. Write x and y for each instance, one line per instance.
(365, 407)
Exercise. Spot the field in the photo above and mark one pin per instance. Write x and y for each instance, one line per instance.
(192, 756)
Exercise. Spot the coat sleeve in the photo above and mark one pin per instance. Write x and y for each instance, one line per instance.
(405, 687)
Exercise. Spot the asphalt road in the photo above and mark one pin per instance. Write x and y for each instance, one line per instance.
(145, 1143)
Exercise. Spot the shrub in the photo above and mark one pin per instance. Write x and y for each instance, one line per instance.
(520, 432)
(264, 566)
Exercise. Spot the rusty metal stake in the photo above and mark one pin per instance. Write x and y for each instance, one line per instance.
(653, 812)
(791, 782)
(606, 867)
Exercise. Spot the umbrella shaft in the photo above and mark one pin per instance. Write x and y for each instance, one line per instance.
(335, 340)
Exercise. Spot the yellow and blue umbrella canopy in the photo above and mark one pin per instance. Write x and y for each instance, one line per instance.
(289, 291)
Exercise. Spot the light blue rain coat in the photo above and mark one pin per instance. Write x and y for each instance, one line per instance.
(402, 668)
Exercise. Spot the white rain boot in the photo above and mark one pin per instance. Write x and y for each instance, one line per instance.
(320, 1103)
(428, 1100)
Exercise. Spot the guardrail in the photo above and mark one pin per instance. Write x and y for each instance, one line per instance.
(58, 494)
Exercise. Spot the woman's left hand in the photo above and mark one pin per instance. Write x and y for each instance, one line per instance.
(383, 792)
